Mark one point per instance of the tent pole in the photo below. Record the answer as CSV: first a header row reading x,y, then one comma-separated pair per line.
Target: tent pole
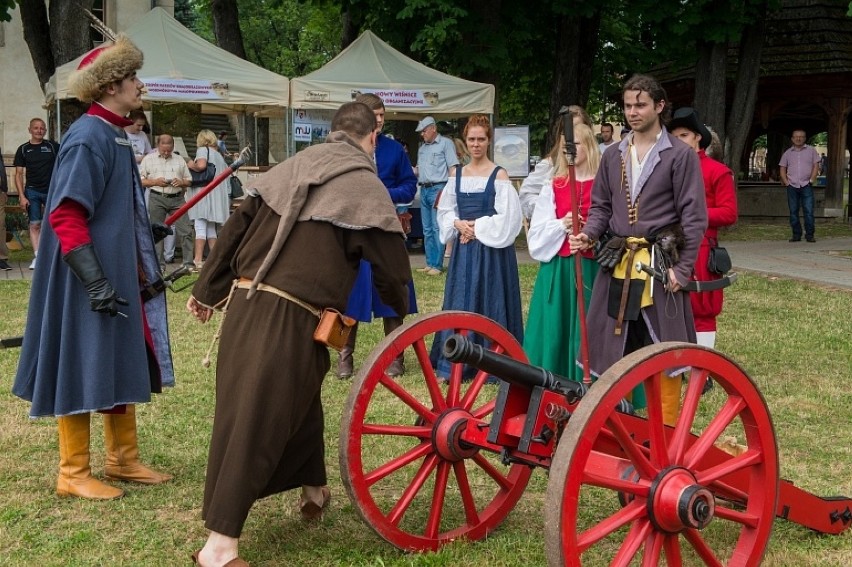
x,y
58,121
256,148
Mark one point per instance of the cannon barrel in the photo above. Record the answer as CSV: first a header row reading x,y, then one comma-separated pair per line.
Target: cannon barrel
x,y
458,348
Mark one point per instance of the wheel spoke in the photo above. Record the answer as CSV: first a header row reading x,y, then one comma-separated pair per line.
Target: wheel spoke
x,y
622,435
435,393
632,512
408,399
677,445
653,548
630,546
395,464
732,408
403,430
470,512
748,520
484,410
398,511
748,459
456,369
433,525
499,478
656,429
672,547
640,488
700,546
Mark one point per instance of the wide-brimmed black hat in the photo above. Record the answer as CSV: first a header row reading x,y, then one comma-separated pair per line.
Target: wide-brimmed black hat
x,y
687,117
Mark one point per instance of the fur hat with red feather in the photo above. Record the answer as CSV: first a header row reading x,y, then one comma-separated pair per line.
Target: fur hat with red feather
x,y
102,66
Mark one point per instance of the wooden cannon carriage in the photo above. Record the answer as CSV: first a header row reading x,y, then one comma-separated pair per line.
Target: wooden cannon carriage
x,y
623,488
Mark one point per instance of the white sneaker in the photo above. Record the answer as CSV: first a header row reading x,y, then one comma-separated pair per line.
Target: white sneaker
x,y
32,264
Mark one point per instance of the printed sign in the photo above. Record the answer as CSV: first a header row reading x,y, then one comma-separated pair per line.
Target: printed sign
x,y
311,126
157,87
402,97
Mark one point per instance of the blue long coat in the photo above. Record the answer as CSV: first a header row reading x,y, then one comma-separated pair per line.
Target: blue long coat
x,y
75,360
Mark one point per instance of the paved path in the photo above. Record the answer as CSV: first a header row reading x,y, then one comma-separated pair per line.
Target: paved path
x,y
818,262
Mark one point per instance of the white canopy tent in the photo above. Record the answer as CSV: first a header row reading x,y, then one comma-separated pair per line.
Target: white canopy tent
x,y
410,90
182,67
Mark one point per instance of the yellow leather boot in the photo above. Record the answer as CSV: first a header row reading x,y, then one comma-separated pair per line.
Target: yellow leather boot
x,y
75,474
122,462
670,397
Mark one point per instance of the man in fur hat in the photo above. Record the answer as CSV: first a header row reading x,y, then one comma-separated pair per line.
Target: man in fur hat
x,y
294,246
95,256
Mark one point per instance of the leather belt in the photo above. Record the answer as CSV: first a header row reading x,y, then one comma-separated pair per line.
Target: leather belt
x,y
245,283
164,194
427,185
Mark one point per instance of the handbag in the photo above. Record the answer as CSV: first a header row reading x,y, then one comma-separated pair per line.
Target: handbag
x,y
236,188
333,329
203,178
719,261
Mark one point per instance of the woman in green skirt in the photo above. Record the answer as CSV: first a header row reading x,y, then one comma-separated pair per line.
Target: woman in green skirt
x,y
552,335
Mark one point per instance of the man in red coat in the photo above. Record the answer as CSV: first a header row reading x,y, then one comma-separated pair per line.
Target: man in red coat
x,y
721,211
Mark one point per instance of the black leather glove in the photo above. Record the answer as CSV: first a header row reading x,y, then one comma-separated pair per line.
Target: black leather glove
x,y
160,231
609,255
84,262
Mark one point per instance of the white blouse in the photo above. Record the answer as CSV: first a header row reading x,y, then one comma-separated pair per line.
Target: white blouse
x,y
547,233
532,185
496,231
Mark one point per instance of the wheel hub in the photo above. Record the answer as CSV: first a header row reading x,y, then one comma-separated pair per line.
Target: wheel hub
x,y
446,435
677,502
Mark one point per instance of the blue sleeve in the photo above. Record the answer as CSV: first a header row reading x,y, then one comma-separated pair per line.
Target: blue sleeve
x,y
405,183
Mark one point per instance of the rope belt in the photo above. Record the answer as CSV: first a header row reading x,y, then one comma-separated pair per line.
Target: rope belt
x,y
636,249
245,283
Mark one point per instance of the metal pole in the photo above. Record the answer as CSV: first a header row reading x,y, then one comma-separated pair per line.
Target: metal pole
x,y
571,154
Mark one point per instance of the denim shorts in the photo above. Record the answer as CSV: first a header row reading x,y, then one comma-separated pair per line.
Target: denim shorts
x,y
38,201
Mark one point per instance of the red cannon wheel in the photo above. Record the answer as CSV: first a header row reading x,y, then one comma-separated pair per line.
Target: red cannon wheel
x,y
406,470
626,490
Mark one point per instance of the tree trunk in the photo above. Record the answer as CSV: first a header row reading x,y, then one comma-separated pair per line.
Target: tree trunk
x,y
710,85
745,91
37,34
70,34
350,28
226,26
487,15
572,73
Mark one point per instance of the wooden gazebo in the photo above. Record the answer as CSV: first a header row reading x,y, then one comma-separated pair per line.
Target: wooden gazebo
x,y
805,83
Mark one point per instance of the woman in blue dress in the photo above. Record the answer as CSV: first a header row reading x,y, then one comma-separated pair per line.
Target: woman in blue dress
x,y
480,213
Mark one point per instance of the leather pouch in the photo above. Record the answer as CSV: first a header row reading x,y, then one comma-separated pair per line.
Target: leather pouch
x,y
719,261
333,329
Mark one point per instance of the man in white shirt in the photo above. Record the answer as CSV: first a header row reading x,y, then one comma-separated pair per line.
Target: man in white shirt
x,y
167,176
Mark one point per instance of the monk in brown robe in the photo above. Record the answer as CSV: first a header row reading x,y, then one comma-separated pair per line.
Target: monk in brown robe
x,y
293,245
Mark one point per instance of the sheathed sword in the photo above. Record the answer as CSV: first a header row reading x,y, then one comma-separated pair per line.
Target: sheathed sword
x,y
707,285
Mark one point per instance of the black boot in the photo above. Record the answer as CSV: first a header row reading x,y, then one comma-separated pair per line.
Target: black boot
x,y
345,362
397,367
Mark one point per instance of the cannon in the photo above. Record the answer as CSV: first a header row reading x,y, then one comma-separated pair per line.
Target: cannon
x,y
427,461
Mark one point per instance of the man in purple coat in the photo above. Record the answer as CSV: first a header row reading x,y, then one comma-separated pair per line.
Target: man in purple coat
x,y
651,184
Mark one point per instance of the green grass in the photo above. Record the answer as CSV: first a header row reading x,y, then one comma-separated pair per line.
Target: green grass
x,y
792,338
